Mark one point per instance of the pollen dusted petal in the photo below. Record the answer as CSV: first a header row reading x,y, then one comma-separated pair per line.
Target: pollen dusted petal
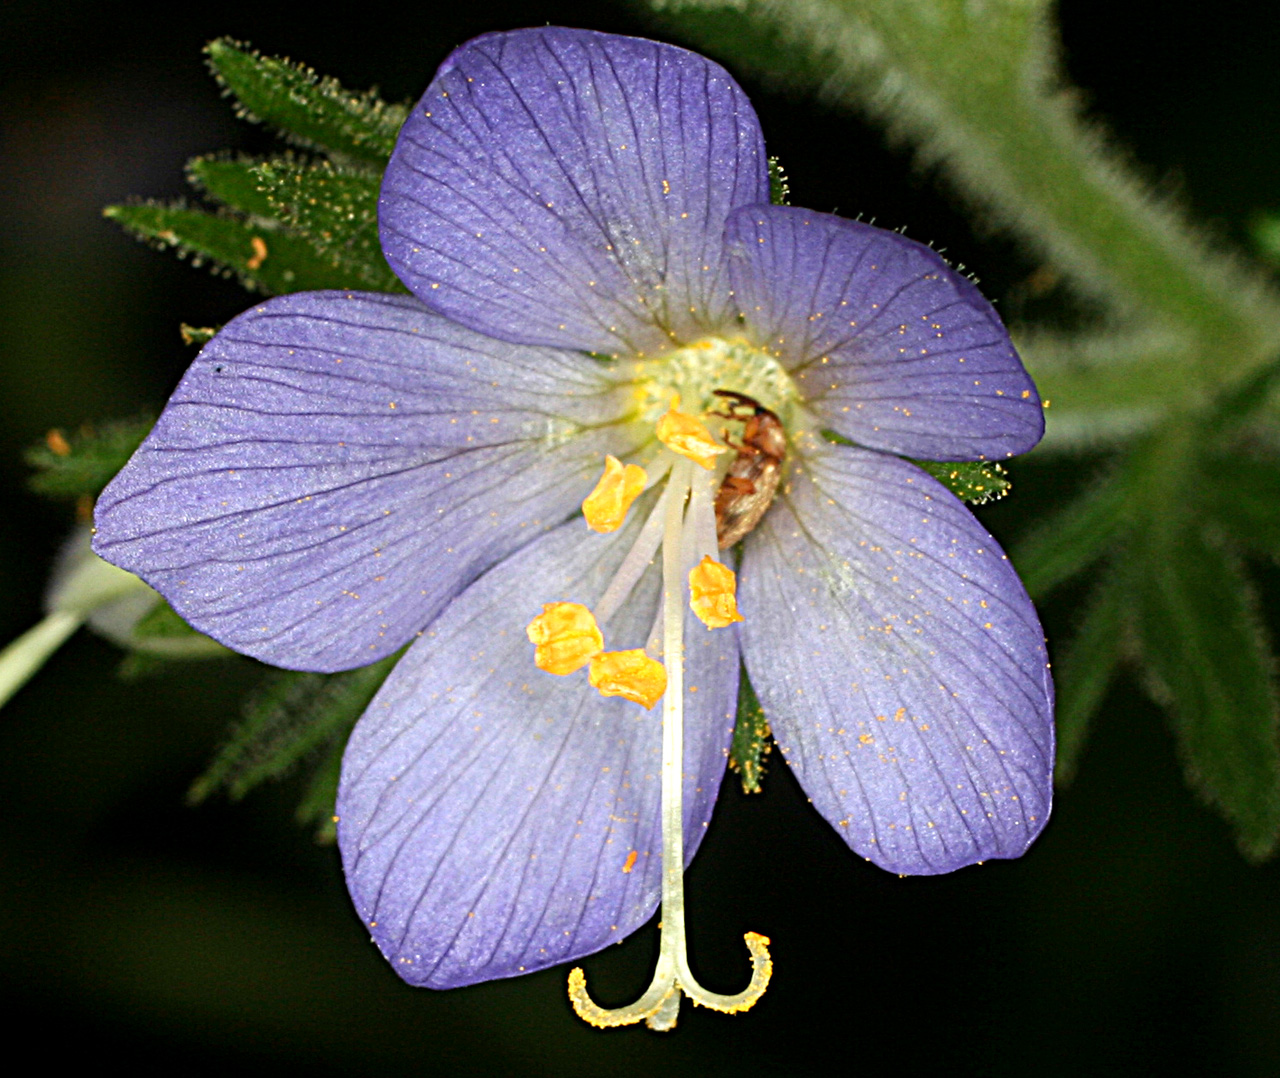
x,y
901,664
570,188
336,466
687,436
630,674
485,815
606,507
888,345
713,587
566,636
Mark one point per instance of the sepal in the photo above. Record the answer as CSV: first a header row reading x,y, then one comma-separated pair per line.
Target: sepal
x,y
751,737
335,209
971,481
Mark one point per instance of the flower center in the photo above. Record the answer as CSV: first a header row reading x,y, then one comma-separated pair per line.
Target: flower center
x,y
695,372
568,636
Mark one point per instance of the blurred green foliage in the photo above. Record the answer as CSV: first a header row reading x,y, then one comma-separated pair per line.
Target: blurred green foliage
x,y
79,465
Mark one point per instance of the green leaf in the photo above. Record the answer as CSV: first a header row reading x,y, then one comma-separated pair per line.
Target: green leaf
x,y
1087,668
233,182
750,737
138,665
1243,493
81,464
312,111
1075,536
1265,231
317,805
334,209
1240,401
1209,662
293,716
265,259
971,481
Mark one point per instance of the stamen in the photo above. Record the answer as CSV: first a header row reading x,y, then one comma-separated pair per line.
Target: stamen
x,y
687,436
606,506
713,587
660,1004
631,674
565,636
700,521
636,561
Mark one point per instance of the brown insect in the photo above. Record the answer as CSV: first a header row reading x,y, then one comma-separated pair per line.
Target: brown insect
x,y
752,479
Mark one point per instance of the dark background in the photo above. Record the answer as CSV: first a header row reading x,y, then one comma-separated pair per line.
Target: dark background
x,y
133,930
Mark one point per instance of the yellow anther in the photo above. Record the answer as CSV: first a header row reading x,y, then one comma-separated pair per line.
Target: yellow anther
x,y
606,507
714,588
566,636
629,673
687,436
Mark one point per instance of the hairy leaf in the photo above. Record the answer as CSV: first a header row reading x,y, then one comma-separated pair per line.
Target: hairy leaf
x,y
336,209
779,186
233,182
1209,662
1244,500
313,111
316,808
1087,667
1074,537
201,335
162,622
265,259
293,716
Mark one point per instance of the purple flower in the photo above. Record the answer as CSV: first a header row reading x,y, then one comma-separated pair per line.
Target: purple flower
x,y
584,222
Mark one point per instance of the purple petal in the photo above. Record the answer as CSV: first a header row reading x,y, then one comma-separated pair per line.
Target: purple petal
x,y
570,188
336,466
891,347
900,663
495,819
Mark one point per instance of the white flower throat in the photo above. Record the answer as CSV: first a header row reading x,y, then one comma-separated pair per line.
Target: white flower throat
x,y
680,394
